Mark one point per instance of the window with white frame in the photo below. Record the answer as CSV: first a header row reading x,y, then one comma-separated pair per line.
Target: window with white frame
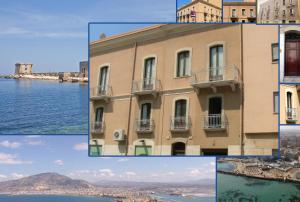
x,y
183,63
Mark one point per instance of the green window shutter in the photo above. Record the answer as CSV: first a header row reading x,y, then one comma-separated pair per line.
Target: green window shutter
x,y
95,150
143,150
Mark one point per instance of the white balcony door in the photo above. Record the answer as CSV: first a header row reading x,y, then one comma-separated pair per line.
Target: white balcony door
x,y
148,74
289,100
216,62
103,78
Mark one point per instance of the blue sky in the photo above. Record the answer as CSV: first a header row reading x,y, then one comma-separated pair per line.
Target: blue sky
x,y
180,3
26,155
52,34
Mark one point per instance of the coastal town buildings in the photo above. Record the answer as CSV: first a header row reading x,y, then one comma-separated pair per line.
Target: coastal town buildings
x,y
179,95
200,11
239,11
84,69
278,11
289,104
23,68
290,53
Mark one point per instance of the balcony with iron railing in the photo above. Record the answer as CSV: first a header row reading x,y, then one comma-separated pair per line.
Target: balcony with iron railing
x,y
146,87
291,114
291,4
180,124
144,125
252,15
101,93
97,127
233,15
216,77
214,122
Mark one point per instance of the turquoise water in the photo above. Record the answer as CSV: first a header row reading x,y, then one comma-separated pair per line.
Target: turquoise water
x,y
43,107
173,198
5,198
243,189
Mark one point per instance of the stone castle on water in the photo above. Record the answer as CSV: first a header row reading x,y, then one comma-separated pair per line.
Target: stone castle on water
x,y
22,69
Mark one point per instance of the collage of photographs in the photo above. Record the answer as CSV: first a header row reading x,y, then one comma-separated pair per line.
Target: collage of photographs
x,y
150,101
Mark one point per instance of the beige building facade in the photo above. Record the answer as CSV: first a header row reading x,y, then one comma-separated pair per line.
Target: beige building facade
x,y
239,12
200,11
278,12
162,91
289,104
23,68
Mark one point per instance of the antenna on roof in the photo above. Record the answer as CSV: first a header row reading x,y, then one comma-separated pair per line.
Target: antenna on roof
x,y
102,36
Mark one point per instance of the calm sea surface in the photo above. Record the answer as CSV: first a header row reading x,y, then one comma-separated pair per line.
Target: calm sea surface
x,y
43,107
165,197
243,189
5,198
176,198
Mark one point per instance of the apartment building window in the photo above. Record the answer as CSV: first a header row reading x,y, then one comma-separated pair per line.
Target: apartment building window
x,y
233,13
275,102
275,52
216,63
180,121
143,150
283,12
99,114
291,11
214,119
144,123
283,2
251,13
183,63
243,12
103,80
148,81
95,149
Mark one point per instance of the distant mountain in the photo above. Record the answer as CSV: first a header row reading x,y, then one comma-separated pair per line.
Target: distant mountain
x,y
44,182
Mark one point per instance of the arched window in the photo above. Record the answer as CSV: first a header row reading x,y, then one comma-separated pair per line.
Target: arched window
x,y
103,78
148,77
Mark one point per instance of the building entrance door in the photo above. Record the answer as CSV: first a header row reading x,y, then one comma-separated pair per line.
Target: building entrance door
x,y
292,53
178,149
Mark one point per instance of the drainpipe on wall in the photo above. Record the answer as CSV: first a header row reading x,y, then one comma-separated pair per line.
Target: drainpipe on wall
x,y
242,93
130,100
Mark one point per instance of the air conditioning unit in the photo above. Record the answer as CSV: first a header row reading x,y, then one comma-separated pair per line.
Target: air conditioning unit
x,y
119,135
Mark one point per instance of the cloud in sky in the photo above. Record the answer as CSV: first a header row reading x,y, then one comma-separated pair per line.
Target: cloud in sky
x,y
81,146
59,162
123,160
11,159
9,144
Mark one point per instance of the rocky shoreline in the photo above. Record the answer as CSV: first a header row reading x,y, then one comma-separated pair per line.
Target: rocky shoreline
x,y
242,170
45,77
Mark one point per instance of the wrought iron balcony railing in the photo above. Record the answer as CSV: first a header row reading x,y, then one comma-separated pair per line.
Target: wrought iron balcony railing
x,y
144,125
215,122
97,127
146,86
100,92
218,76
180,124
291,114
